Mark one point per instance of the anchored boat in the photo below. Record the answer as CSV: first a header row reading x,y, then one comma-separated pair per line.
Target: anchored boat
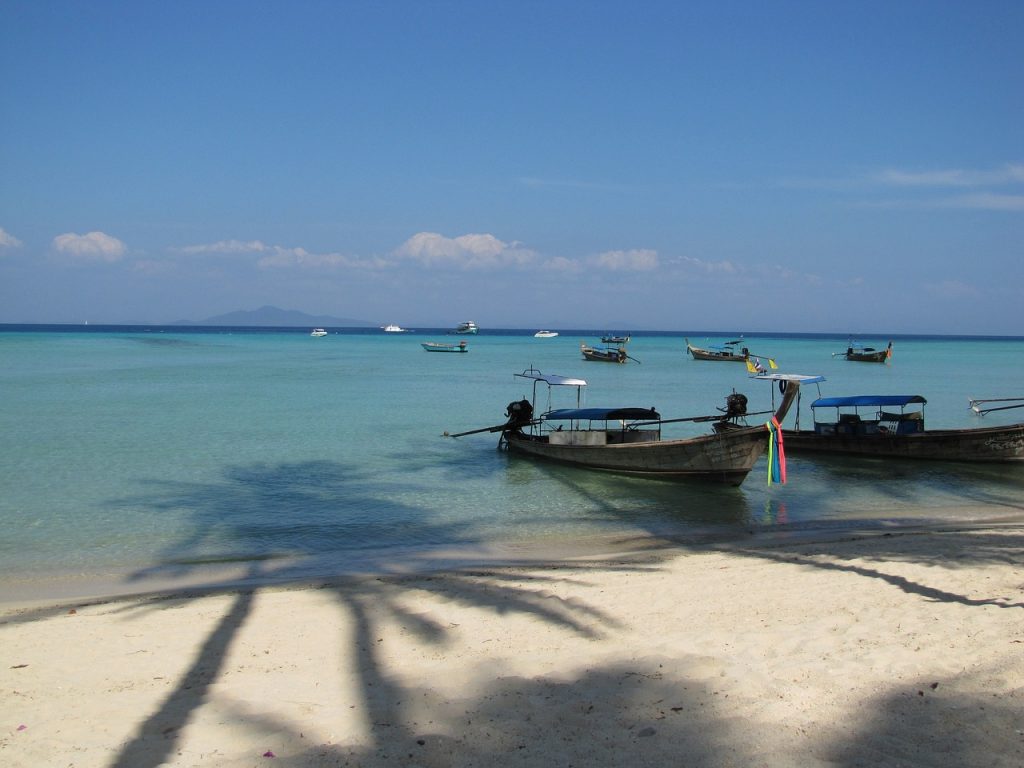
x,y
866,354
629,440
435,346
607,355
882,426
727,353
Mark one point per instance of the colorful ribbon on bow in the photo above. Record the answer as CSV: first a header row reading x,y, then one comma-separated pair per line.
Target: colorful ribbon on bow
x,y
776,453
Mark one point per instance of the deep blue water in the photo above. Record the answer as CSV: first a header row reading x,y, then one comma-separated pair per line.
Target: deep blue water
x,y
138,452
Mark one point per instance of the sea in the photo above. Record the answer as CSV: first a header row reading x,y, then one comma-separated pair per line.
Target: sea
x,y
139,458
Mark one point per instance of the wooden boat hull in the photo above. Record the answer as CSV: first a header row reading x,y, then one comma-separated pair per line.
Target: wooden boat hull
x,y
604,355
706,354
726,457
445,347
868,357
985,444
857,355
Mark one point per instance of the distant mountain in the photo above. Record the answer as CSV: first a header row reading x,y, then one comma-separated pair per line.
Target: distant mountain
x,y
275,317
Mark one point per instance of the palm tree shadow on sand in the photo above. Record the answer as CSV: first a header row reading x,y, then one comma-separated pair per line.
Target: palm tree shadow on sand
x,y
637,712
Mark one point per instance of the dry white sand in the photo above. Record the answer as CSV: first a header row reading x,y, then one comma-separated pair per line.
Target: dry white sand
x,y
901,649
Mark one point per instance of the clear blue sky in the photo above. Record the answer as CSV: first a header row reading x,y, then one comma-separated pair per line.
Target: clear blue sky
x,y
750,166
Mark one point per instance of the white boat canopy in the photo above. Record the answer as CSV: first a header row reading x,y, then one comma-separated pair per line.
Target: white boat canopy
x,y
799,378
551,379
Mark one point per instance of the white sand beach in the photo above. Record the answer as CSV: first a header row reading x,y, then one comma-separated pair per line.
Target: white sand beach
x,y
904,648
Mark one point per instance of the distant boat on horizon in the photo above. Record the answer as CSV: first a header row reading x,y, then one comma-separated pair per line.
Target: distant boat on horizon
x,y
467,327
394,329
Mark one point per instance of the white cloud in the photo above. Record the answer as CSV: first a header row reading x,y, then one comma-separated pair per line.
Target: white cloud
x,y
637,260
8,240
280,257
94,246
1008,174
467,251
710,267
227,247
298,257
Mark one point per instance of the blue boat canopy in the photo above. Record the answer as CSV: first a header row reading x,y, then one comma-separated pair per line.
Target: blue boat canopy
x,y
601,414
867,400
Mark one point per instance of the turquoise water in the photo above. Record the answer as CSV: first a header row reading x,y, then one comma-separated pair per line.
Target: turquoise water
x,y
149,452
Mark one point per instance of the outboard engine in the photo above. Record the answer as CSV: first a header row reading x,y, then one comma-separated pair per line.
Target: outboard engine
x,y
520,413
735,405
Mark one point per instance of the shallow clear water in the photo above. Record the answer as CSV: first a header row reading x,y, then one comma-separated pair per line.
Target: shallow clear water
x,y
132,450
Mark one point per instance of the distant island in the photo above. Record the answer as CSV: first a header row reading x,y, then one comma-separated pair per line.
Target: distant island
x,y
274,317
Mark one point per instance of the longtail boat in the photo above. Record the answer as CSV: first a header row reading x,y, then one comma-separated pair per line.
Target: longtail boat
x,y
434,346
866,354
607,355
629,440
727,353
882,426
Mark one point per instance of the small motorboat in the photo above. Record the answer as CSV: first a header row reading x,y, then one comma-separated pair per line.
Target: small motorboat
x,y
545,334
434,346
318,332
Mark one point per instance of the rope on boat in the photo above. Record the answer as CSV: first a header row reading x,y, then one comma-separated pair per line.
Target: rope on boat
x,y
776,453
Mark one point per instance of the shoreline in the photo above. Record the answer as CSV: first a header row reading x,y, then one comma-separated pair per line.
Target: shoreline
x,y
884,647
170,579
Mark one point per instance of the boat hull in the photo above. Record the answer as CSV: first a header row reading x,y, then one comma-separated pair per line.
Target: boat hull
x,y
603,357
867,357
857,355
986,444
445,347
722,458
698,353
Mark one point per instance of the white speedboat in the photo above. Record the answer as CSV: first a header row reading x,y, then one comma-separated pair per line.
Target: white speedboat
x,y
318,332
545,334
394,329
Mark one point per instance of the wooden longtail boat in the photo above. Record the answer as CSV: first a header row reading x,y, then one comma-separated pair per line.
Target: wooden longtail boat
x,y
606,355
727,353
434,346
628,440
870,425
615,339
867,354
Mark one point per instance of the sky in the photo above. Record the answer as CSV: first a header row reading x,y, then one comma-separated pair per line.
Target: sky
x,y
835,167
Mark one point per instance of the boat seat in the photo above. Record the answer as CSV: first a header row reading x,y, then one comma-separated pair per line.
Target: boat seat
x,y
912,416
902,423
